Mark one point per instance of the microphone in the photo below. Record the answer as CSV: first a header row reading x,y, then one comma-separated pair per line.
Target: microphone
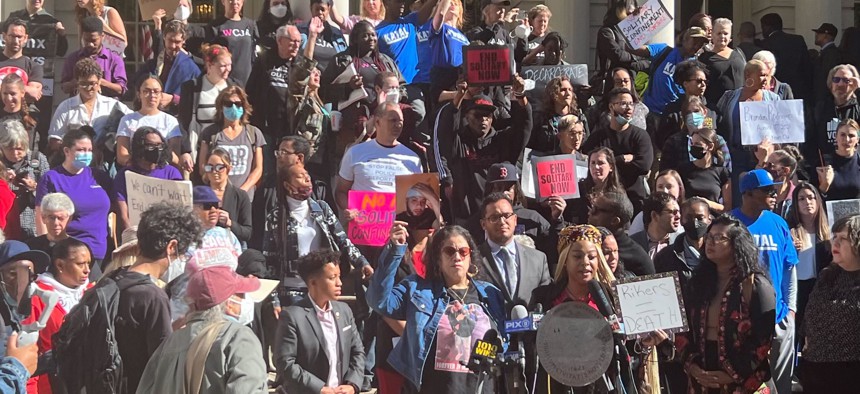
x,y
485,353
522,320
603,305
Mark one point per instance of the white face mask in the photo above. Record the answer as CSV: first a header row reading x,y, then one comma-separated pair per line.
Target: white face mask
x,y
522,32
246,314
182,13
278,11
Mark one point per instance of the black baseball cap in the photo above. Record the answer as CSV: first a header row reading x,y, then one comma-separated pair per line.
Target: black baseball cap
x,y
827,28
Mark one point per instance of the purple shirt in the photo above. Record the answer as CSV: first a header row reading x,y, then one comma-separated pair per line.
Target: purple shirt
x,y
167,172
110,63
89,190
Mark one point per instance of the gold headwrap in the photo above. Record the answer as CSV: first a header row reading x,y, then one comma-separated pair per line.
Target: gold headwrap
x,y
579,232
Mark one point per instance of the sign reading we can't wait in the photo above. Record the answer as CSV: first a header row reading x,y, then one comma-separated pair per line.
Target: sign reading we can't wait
x,y
488,65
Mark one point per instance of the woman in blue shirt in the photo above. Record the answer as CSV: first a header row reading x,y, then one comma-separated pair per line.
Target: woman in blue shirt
x,y
440,50
445,313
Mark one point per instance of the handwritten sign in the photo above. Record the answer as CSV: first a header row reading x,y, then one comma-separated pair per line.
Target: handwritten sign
x,y
781,122
555,176
148,7
144,191
842,209
488,65
649,303
651,18
375,217
578,74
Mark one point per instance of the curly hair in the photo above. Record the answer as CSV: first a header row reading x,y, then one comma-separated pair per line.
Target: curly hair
x,y
87,67
687,70
313,263
433,253
138,146
655,203
553,87
222,100
165,222
703,283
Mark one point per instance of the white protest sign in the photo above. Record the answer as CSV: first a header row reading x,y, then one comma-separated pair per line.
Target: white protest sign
x,y
641,26
780,122
649,303
840,209
143,191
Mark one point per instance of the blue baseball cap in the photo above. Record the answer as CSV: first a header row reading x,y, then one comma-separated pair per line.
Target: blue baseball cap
x,y
204,195
756,179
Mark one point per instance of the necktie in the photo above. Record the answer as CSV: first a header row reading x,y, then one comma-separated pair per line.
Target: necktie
x,y
510,269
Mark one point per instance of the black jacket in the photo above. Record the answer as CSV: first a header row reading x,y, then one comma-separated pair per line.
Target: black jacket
x,y
828,58
612,52
238,206
671,259
820,136
268,93
795,66
635,259
633,141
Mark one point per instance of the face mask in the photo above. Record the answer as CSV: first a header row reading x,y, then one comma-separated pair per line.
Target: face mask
x,y
245,311
696,229
152,156
622,121
695,120
233,112
302,193
522,32
83,159
182,13
278,11
697,152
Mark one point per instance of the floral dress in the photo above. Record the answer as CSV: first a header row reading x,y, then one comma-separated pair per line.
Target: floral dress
x,y
746,326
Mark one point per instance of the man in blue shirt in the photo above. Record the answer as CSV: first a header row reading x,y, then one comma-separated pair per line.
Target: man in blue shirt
x,y
778,257
397,35
662,89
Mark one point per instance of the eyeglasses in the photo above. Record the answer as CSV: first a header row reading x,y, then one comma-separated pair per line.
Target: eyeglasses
x,y
840,80
151,92
716,238
450,251
673,212
214,168
624,104
283,152
698,81
499,217
87,84
209,205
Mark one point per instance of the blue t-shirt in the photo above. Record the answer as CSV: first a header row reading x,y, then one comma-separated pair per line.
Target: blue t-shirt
x,y
776,249
120,188
425,53
662,89
442,48
89,190
398,40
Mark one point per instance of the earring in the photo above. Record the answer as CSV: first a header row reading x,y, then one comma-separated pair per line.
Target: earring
x,y
748,82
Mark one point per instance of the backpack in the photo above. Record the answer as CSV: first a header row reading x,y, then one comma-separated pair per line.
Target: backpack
x,y
642,80
85,347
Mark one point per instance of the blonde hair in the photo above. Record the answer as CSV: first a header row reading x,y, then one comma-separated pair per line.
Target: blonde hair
x,y
537,10
754,65
381,14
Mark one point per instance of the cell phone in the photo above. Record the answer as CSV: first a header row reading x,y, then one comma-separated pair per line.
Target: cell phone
x,y
21,174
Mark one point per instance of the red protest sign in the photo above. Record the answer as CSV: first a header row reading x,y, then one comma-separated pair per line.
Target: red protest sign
x,y
555,176
375,217
488,65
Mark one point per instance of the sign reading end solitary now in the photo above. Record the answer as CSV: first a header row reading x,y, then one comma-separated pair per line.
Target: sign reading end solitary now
x,y
488,65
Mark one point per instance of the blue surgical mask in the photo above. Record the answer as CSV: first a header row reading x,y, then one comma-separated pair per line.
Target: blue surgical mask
x,y
83,159
694,120
621,120
233,112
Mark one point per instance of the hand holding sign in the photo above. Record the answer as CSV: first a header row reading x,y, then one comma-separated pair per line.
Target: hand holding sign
x,y
650,303
645,23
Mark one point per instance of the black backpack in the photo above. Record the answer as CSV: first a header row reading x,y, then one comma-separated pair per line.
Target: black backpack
x,y
85,347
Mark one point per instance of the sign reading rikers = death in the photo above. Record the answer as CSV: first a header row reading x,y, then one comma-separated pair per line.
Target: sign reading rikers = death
x,y
376,213
651,302
488,65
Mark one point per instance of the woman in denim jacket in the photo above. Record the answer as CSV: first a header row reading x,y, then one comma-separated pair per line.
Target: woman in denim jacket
x,y
445,313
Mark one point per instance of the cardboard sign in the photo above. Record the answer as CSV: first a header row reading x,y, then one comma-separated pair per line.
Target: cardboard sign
x,y
375,217
555,176
144,191
488,65
650,302
424,186
578,74
148,7
780,122
650,19
840,209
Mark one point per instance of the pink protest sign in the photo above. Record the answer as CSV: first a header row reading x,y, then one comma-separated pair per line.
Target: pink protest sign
x,y
555,176
645,23
376,213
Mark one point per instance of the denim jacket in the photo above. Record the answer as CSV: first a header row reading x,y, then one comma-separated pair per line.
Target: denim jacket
x,y
421,303
285,268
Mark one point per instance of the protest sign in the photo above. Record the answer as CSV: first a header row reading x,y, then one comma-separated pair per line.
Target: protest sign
x,y
425,206
488,65
528,182
143,191
148,7
645,23
650,302
375,217
840,209
555,176
578,74
780,122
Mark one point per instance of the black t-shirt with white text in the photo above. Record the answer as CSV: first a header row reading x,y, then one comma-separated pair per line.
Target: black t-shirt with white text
x,y
240,37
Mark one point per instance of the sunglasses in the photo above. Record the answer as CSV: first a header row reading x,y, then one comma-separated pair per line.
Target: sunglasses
x,y
770,191
450,251
215,168
209,205
840,80
232,103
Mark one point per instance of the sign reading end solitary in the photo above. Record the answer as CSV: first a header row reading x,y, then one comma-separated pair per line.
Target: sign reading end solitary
x,y
488,65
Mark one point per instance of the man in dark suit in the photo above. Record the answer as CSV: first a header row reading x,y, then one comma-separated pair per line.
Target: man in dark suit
x,y
662,217
614,211
830,56
318,348
795,65
513,268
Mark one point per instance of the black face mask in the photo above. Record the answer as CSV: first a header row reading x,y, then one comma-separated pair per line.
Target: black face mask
x,y
152,156
695,229
697,152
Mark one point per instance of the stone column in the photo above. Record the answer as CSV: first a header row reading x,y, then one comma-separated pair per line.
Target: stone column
x,y
571,18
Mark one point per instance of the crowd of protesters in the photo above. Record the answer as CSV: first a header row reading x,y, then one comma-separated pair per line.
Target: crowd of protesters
x,y
275,122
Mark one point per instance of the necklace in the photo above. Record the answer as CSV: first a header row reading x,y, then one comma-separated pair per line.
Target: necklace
x,y
453,293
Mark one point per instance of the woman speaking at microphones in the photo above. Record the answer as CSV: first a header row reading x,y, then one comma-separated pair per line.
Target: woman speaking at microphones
x,y
446,313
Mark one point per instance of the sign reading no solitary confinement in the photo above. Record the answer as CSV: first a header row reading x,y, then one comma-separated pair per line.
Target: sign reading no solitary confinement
x,y
488,65
645,23
375,217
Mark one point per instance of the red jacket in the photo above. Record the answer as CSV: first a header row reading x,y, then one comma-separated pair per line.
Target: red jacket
x,y
7,199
